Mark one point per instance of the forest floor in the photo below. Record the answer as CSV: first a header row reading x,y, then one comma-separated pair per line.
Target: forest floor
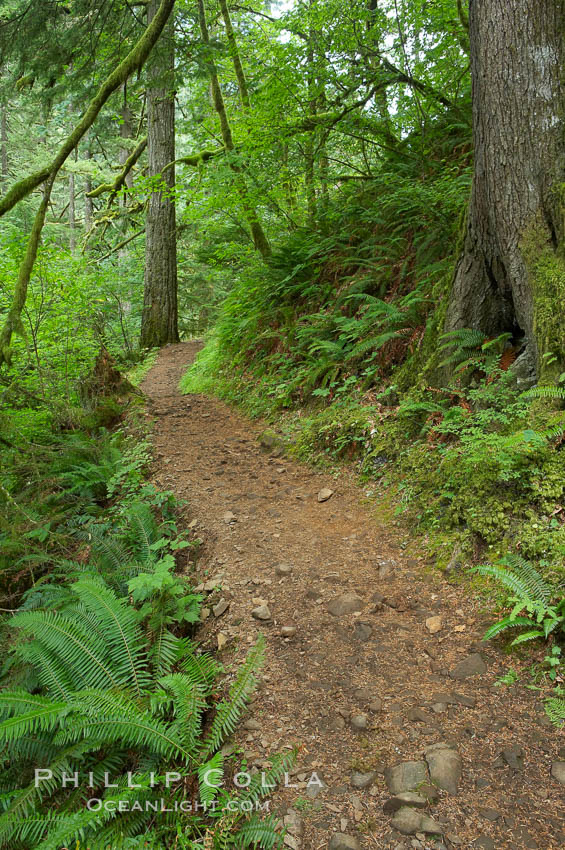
x,y
386,659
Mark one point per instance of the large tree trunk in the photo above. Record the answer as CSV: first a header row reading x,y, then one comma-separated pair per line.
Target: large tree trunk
x,y
159,324
514,218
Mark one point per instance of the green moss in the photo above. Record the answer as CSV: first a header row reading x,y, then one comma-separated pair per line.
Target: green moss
x,y
546,268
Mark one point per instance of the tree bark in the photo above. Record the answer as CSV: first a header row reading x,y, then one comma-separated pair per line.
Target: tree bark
x,y
88,203
159,323
4,143
514,215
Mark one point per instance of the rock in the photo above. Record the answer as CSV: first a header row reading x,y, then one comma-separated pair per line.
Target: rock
x,y
283,569
454,699
406,776
262,612
221,608
359,722
340,841
204,614
272,442
375,706
294,823
362,780
483,842
410,821
222,639
288,631
347,603
445,767
524,369
362,631
455,564
325,494
251,725
416,715
489,814
558,771
434,624
291,841
364,695
408,798
473,665
514,757
229,517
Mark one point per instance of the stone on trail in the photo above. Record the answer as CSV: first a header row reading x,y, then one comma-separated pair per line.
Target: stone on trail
x,y
483,842
410,821
229,517
445,767
406,776
288,631
221,608
283,569
558,771
272,442
325,494
473,665
347,603
408,798
340,841
362,780
362,631
434,624
262,612
359,722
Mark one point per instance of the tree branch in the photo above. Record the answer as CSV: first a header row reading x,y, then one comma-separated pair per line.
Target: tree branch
x,y
132,62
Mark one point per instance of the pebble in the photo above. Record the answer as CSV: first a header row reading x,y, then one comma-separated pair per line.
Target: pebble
x,y
325,494
288,631
221,608
434,624
362,631
473,665
283,569
340,841
359,722
408,798
445,767
347,603
405,776
558,771
229,517
362,780
262,612
410,822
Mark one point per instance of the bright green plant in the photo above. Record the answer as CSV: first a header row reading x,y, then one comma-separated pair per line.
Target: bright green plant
x,y
537,607
94,701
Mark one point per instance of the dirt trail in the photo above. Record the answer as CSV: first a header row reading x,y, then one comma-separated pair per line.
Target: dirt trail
x,y
378,668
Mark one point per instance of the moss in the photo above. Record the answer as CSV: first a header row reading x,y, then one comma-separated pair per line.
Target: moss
x,y
546,268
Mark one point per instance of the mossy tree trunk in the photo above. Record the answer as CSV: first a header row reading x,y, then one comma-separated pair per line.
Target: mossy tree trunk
x,y
159,324
515,214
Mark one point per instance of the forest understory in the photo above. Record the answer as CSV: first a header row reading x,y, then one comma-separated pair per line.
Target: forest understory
x,y
282,425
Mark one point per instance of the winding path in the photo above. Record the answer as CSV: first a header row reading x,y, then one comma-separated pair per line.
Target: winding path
x,y
359,691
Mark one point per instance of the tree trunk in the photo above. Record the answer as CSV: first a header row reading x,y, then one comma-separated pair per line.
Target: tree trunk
x,y
159,324
72,219
88,202
508,276
3,143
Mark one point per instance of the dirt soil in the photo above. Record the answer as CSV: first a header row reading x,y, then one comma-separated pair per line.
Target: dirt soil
x,y
382,668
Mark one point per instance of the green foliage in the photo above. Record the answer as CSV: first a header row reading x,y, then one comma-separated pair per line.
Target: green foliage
x,y
531,598
108,704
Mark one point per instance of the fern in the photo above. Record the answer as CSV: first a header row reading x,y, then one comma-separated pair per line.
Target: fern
x,y
555,709
230,710
550,392
108,711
